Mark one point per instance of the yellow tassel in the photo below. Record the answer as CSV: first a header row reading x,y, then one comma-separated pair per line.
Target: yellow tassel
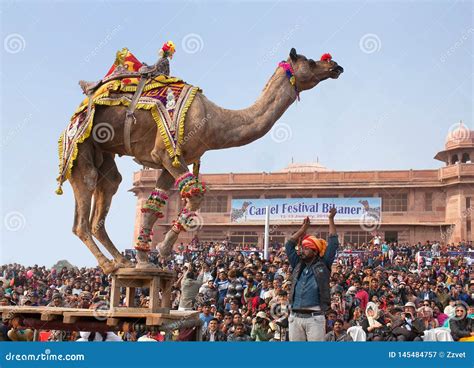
x,y
176,162
59,191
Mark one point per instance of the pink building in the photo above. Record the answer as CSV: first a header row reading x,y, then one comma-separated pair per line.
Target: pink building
x,y
417,205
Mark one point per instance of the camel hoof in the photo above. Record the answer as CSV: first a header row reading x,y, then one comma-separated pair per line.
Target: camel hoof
x,y
109,267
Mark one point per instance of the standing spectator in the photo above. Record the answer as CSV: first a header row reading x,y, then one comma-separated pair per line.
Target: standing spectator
x,y
310,295
189,289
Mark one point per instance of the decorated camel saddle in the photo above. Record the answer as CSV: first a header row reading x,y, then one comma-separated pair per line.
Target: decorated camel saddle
x,y
129,83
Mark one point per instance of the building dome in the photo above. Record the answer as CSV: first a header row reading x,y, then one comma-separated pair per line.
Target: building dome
x,y
304,167
460,135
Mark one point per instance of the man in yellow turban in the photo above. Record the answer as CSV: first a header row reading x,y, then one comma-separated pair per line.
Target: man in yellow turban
x,y
310,294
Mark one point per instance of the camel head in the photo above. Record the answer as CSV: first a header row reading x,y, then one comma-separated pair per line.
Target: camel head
x,y
308,73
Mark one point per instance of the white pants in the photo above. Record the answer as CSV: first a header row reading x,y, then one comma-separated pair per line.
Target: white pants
x,y
307,329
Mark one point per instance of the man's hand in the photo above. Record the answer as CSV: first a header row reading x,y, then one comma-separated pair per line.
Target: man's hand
x,y
305,226
302,230
332,226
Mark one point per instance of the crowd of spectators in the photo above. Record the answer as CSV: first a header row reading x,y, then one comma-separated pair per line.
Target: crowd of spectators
x,y
379,292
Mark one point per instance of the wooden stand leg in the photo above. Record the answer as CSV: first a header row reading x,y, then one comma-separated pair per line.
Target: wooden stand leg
x,y
130,297
155,303
115,294
166,293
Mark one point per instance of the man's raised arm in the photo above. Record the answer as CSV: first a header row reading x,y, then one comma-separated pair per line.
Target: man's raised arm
x,y
333,241
291,243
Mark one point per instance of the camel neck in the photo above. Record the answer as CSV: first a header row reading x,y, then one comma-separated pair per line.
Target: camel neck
x,y
247,125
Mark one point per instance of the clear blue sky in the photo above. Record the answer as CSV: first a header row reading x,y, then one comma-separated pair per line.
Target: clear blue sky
x,y
408,78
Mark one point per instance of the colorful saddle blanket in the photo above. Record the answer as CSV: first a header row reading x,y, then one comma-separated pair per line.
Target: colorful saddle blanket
x,y
167,98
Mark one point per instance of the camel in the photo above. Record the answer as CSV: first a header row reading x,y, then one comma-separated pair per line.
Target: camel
x,y
95,177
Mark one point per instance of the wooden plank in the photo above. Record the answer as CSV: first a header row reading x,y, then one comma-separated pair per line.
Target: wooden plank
x,y
155,301
115,295
166,293
68,318
130,297
145,271
48,317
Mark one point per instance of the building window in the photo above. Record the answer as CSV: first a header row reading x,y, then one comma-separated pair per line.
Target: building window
x,y
465,158
454,159
395,202
357,237
428,202
216,204
244,238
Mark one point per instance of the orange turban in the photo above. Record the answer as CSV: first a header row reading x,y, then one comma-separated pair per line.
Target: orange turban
x,y
319,245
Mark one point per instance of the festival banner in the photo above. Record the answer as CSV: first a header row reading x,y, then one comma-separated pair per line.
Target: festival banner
x,y
288,209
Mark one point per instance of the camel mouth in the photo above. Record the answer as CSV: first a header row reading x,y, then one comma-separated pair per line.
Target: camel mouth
x,y
336,71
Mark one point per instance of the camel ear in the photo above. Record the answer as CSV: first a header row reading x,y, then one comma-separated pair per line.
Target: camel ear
x,y
293,54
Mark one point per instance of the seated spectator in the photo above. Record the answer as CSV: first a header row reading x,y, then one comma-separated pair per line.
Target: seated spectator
x,y
374,324
357,317
238,334
408,327
16,331
338,334
426,314
213,333
462,327
261,330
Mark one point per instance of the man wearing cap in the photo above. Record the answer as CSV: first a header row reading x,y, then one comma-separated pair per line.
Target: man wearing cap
x,y
408,327
260,327
310,295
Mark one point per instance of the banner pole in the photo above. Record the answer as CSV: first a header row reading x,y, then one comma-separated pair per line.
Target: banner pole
x,y
267,233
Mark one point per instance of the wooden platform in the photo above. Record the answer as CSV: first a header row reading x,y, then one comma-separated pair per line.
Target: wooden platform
x,y
155,279
90,319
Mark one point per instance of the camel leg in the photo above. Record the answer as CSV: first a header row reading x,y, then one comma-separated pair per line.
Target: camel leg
x,y
192,204
164,183
107,185
83,181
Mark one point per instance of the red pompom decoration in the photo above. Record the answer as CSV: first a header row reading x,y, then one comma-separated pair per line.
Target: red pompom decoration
x,y
326,57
